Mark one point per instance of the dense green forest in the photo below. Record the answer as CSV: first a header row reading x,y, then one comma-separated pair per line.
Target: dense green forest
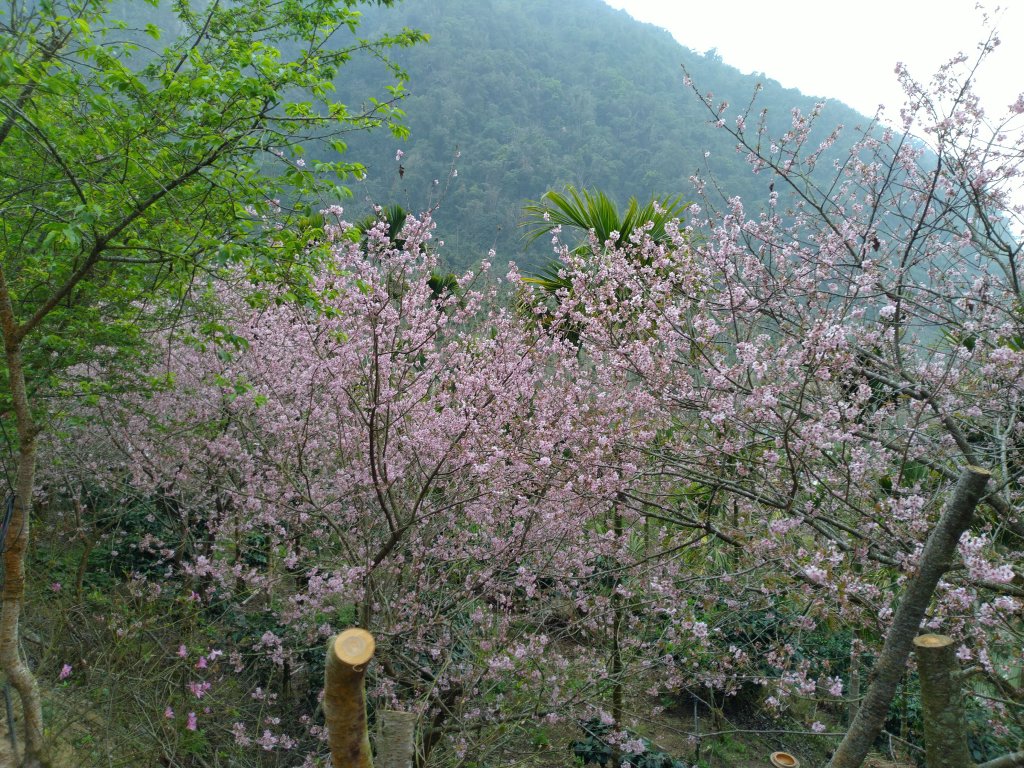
x,y
535,95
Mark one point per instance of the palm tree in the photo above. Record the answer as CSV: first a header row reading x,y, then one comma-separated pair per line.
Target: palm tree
x,y
593,211
595,216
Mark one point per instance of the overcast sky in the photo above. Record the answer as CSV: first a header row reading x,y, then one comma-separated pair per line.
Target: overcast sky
x,y
846,52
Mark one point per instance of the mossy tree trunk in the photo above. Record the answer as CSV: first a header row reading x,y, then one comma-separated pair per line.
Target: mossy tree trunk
x,y
617,616
854,683
18,515
945,728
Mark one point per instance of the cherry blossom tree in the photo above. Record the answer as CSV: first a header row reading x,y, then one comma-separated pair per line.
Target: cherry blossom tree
x,y
122,170
728,443
823,367
415,460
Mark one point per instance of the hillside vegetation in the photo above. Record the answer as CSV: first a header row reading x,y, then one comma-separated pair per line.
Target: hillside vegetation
x,y
535,95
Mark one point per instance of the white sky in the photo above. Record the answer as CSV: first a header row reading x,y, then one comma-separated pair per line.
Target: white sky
x,y
847,51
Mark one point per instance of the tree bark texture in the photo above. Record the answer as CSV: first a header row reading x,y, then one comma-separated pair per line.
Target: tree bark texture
x,y
888,670
854,684
345,698
396,739
616,660
945,734
15,544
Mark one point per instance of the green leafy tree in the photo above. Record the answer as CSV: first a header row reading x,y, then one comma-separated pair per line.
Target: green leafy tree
x,y
130,166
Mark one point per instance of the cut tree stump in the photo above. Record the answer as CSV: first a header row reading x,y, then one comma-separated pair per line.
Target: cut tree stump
x,y
396,739
945,734
935,560
345,698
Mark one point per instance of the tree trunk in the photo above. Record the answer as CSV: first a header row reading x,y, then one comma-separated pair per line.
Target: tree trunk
x,y
935,561
14,548
616,660
345,698
1012,760
396,739
854,683
945,735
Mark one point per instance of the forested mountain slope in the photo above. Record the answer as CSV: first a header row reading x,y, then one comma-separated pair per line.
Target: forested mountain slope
x,y
537,94
534,95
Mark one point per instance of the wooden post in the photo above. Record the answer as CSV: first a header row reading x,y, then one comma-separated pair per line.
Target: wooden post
x,y
396,739
345,698
945,736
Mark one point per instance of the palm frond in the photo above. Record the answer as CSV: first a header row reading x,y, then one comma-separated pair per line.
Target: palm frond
x,y
593,211
395,216
589,212
579,209
548,278
657,212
